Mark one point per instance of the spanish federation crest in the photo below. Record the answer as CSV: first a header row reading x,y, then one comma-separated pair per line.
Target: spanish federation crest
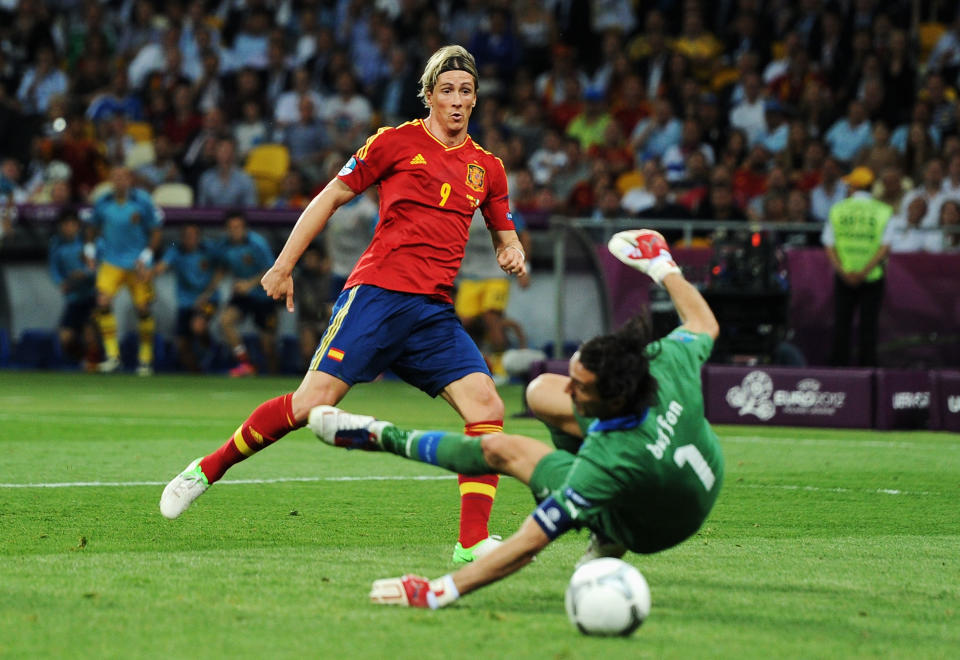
x,y
475,175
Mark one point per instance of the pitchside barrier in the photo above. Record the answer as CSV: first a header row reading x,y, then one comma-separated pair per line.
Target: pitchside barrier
x,y
883,399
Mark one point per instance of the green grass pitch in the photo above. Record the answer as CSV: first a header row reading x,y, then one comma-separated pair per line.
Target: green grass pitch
x,y
823,544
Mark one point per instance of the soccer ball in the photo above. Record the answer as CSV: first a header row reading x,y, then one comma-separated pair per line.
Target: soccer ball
x,y
608,597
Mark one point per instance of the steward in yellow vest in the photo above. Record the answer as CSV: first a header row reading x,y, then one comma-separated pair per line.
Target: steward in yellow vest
x,y
857,240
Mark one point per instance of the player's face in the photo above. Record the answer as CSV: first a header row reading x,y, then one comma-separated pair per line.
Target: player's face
x,y
236,230
69,229
191,238
122,180
452,100
583,390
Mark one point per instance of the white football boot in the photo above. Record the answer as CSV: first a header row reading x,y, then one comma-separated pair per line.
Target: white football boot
x,y
183,490
342,429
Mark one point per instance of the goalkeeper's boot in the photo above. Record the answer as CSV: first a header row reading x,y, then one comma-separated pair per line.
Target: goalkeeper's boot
x,y
342,429
469,555
600,546
183,490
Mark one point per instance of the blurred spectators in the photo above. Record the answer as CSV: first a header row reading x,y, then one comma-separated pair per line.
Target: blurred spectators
x,y
162,169
288,103
225,184
849,135
347,114
830,190
653,136
307,141
950,224
41,82
951,182
681,87
908,235
930,189
749,114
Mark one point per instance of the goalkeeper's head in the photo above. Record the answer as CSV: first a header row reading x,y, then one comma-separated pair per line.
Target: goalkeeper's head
x,y
620,363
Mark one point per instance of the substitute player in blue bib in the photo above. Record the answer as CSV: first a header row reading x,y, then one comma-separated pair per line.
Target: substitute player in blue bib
x,y
245,255
636,463
194,264
129,225
74,271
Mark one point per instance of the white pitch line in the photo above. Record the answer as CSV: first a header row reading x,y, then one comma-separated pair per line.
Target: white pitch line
x,y
228,482
832,442
443,477
822,489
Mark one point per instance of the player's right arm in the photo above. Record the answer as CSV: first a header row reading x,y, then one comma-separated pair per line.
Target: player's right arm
x,y
278,280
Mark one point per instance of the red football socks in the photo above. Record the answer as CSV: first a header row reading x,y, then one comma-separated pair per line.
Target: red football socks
x,y
477,492
269,422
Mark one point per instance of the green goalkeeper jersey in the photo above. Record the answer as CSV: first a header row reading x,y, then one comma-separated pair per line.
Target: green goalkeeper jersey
x,y
647,482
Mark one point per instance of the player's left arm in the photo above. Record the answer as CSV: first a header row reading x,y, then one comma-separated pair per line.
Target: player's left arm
x,y
510,253
153,218
496,212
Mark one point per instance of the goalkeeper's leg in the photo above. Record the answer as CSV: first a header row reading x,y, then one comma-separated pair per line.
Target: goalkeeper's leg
x,y
514,455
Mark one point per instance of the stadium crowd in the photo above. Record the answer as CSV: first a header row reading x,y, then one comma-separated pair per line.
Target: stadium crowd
x,y
677,109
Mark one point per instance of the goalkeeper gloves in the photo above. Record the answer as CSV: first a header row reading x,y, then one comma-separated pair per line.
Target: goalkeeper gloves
x,y
415,591
645,250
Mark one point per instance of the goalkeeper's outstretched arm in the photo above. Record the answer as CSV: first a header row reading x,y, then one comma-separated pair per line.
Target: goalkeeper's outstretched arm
x,y
647,251
694,312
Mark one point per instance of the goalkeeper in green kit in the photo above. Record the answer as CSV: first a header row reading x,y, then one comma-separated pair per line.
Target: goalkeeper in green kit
x,y
635,461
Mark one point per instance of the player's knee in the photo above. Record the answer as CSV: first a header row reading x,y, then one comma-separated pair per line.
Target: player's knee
x,y
309,395
492,403
541,392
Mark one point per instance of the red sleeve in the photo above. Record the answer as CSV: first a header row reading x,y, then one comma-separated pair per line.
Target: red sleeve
x,y
496,208
371,162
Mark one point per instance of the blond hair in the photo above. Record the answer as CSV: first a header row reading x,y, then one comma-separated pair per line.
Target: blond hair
x,y
448,58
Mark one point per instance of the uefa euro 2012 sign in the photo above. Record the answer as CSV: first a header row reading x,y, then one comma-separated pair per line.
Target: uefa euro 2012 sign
x,y
607,597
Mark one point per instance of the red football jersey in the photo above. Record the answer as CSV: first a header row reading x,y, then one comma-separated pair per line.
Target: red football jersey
x,y
428,193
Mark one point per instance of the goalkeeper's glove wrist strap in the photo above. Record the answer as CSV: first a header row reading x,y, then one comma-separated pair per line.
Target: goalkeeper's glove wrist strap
x,y
443,591
661,266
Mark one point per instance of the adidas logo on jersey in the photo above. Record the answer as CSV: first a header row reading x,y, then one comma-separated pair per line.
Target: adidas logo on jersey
x,y
418,160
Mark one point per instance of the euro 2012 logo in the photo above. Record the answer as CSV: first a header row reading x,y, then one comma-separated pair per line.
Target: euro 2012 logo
x,y
754,396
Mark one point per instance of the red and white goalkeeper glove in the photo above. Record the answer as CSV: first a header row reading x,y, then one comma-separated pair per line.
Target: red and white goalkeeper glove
x,y
415,591
645,250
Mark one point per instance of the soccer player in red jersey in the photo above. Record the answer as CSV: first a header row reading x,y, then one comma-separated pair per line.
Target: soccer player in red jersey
x,y
396,310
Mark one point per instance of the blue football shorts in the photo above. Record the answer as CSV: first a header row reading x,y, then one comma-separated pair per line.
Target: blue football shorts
x,y
417,337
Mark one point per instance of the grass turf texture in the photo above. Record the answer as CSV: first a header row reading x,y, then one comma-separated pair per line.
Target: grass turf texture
x,y
824,543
